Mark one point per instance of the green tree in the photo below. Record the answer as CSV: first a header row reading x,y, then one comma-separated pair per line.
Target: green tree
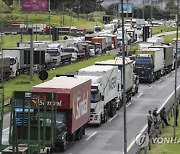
x,y
171,7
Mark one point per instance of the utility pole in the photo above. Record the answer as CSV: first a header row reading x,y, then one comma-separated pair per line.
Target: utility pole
x,y
175,94
124,86
143,9
127,15
151,11
49,11
31,53
2,85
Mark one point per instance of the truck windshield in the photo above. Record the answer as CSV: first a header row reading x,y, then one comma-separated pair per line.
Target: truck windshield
x,y
98,45
91,47
143,60
70,50
53,52
12,61
95,95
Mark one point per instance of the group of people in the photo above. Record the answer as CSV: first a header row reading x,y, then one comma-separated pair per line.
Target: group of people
x,y
154,117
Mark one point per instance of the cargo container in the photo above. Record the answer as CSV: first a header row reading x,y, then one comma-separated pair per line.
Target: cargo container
x,y
168,57
102,41
5,68
107,90
129,76
19,59
149,64
73,106
178,51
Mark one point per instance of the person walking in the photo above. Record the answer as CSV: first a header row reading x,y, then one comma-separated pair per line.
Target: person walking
x,y
163,116
150,121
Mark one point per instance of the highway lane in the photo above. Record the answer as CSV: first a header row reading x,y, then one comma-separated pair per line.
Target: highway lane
x,y
109,137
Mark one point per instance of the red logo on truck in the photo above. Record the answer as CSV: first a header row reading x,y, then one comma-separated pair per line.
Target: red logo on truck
x,y
80,104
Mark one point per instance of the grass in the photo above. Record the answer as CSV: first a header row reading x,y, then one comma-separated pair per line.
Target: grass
x,y
169,38
84,21
23,82
12,40
156,30
166,148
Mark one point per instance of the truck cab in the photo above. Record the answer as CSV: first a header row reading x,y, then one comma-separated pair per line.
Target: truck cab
x,y
144,67
97,101
14,66
55,51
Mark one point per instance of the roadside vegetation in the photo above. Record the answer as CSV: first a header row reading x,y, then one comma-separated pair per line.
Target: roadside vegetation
x,y
156,30
167,148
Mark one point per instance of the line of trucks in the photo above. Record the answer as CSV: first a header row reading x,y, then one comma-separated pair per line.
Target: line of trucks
x,y
88,97
48,54
154,59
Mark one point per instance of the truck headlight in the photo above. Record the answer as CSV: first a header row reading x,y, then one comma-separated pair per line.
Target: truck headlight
x,y
95,117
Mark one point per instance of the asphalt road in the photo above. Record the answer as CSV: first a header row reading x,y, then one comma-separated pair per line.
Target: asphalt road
x,y
108,138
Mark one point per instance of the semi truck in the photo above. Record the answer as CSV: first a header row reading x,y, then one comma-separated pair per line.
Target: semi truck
x,y
168,57
149,64
57,55
102,41
104,91
131,81
178,51
18,59
72,104
5,68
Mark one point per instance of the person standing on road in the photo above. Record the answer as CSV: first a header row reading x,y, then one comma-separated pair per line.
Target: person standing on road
x,y
150,121
177,114
163,116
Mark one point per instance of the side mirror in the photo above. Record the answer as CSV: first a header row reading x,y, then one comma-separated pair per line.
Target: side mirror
x,y
102,98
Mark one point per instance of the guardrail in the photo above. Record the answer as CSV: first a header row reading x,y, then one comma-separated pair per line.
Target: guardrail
x,y
158,130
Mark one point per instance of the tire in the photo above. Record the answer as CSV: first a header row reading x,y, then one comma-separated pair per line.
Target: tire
x,y
63,147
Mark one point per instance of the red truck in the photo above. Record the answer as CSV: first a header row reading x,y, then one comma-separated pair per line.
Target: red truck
x,y
73,106
114,41
102,41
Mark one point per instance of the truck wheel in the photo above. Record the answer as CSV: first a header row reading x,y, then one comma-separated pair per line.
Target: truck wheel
x,y
63,147
105,118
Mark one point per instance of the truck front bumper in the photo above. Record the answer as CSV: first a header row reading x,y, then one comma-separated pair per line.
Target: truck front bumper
x,y
95,118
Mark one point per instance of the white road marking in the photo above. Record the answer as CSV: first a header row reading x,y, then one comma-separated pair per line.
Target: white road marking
x,y
91,136
159,81
167,75
132,143
128,104
140,95
5,129
150,87
112,118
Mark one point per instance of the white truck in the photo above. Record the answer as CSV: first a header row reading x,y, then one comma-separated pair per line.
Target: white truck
x,y
131,81
105,89
18,59
57,55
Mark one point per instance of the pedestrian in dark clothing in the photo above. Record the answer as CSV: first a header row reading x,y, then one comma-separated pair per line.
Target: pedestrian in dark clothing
x,y
150,121
163,116
177,114
155,117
